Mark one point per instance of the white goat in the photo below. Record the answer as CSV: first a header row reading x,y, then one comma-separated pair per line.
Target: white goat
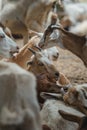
x,y
50,116
18,102
7,45
52,53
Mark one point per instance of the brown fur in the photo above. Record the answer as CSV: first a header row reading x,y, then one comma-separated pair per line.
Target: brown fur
x,y
24,55
47,83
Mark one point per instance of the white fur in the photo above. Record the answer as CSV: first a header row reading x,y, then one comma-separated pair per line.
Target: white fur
x,y
6,45
51,117
18,100
52,53
80,28
75,10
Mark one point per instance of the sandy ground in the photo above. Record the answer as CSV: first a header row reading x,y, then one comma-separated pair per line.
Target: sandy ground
x,y
70,65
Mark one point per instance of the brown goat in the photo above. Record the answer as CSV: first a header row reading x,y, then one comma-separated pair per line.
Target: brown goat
x,y
72,42
76,96
40,63
47,83
47,74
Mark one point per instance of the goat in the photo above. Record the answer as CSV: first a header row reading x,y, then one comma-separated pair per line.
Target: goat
x,y
51,117
82,121
46,58
67,40
7,46
52,53
21,16
41,63
47,83
19,108
77,96
49,79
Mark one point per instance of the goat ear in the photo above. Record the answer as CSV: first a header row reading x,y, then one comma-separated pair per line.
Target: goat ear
x,y
45,127
46,95
70,117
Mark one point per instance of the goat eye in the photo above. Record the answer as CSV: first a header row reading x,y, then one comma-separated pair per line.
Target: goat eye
x,y
40,64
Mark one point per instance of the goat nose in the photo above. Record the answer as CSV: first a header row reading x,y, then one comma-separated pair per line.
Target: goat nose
x,y
57,74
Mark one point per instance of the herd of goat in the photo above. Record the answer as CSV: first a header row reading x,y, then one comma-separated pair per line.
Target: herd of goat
x,y
34,94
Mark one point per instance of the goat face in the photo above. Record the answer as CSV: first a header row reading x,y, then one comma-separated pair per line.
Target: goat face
x,y
7,45
41,63
52,53
51,37
77,95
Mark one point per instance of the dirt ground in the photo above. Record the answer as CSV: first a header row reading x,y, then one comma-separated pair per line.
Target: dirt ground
x,y
70,65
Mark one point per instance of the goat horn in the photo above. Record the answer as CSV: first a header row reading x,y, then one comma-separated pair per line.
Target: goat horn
x,y
38,48
32,51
